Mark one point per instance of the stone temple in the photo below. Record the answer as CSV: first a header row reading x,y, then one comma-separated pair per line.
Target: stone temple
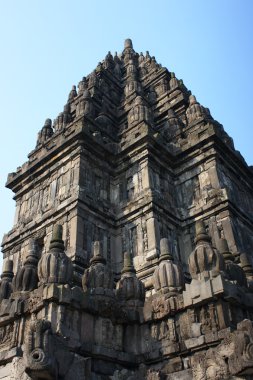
x,y
130,257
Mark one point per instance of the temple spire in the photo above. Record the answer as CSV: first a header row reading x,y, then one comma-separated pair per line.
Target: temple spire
x,y
128,44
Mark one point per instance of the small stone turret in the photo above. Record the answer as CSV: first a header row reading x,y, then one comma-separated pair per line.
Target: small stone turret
x,y
26,278
163,87
6,280
168,276
130,290
195,111
55,266
58,122
142,68
82,85
117,66
131,70
92,79
131,87
152,96
128,44
72,94
85,106
66,115
172,126
204,261
128,52
108,61
98,279
173,81
233,271
139,112
132,84
46,132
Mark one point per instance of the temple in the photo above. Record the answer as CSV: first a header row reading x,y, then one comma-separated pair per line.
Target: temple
x,y
130,257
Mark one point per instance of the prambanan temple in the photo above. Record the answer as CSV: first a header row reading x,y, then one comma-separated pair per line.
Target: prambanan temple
x,y
131,253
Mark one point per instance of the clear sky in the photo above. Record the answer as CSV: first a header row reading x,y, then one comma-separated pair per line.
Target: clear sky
x,y
49,45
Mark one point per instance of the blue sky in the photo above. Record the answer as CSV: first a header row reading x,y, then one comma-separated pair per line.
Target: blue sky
x,y
47,46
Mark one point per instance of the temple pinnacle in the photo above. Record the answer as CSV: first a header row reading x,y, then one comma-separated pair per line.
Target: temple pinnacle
x,y
128,44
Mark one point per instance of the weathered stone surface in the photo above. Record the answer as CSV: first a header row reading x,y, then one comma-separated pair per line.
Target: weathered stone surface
x,y
168,276
55,266
128,288
26,278
6,279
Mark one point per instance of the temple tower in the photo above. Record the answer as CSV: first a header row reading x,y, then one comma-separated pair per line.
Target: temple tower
x,y
104,259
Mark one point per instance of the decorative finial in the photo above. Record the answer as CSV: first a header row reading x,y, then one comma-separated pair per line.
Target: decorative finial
x,y
165,253
97,255
201,234
32,257
128,43
6,280
26,278
7,269
129,289
56,240
72,93
192,99
55,266
128,265
48,123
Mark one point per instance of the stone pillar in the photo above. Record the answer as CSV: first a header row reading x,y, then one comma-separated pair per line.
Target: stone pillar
x,y
145,176
16,217
153,238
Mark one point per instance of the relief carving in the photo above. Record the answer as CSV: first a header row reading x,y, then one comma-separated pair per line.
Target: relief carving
x,y
6,335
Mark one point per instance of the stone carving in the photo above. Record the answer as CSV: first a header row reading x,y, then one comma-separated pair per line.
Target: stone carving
x,y
141,374
234,356
128,52
98,279
173,81
47,357
6,334
130,290
55,266
40,359
26,278
6,280
66,115
195,110
58,122
129,166
72,94
216,366
82,85
234,272
173,126
168,276
139,112
85,106
163,87
46,132
204,260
